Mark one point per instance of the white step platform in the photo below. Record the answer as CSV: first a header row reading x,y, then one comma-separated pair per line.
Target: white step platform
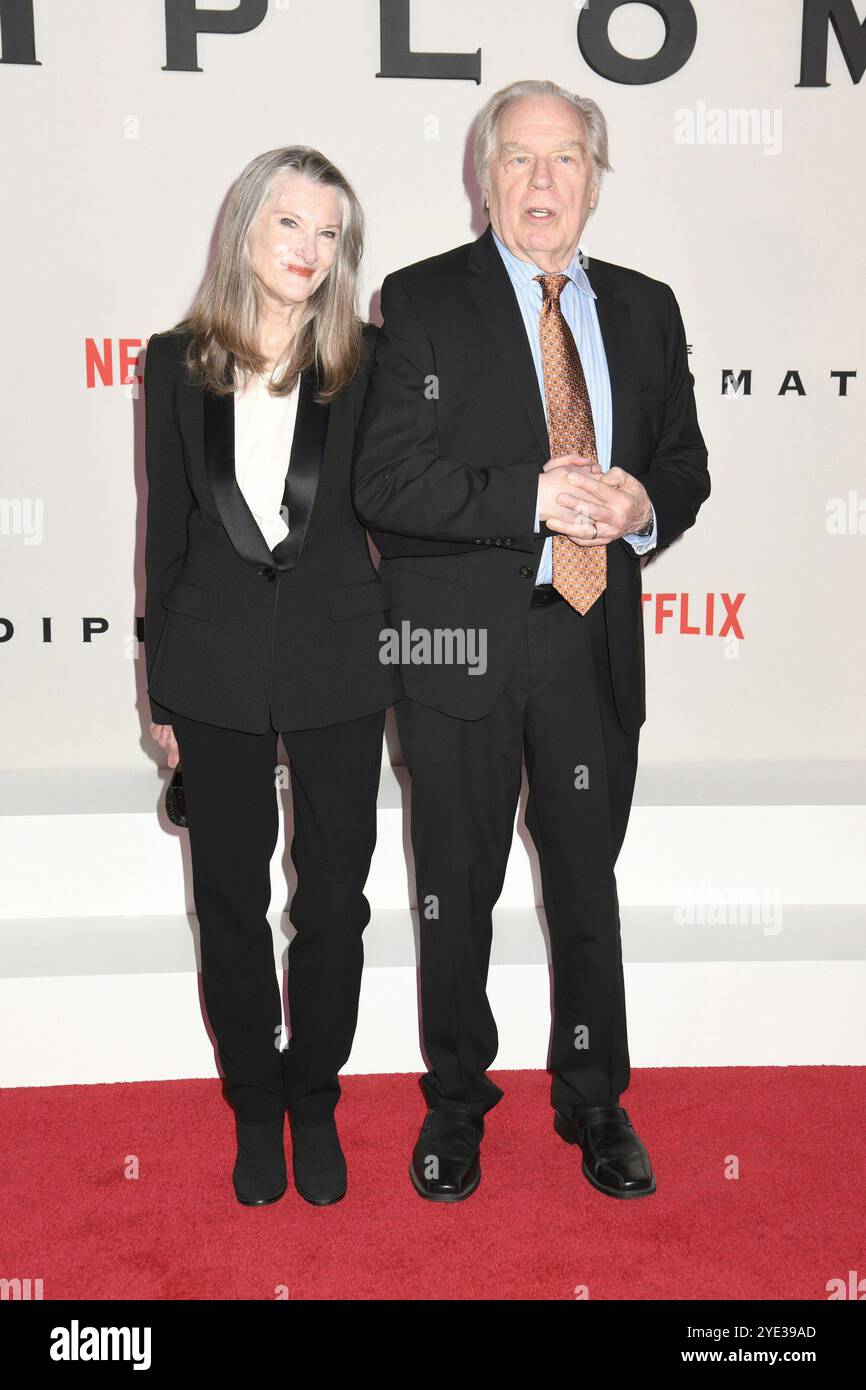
x,y
742,891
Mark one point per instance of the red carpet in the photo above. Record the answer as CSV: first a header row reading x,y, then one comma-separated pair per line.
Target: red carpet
x,y
535,1229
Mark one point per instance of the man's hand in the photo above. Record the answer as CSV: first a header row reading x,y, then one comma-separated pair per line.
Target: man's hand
x,y
556,499
608,505
164,735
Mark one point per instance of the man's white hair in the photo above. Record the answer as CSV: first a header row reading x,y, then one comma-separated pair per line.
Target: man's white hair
x,y
487,130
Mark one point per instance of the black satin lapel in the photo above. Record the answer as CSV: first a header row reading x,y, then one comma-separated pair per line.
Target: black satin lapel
x,y
219,447
497,304
613,322
302,478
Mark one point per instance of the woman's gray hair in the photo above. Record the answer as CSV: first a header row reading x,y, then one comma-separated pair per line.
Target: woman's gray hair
x,y
224,317
487,127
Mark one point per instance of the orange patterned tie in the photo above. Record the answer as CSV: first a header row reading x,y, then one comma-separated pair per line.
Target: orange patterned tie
x,y
579,572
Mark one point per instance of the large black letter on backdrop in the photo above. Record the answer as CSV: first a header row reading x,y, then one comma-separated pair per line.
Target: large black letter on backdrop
x,y
17,37
183,24
681,32
818,15
398,60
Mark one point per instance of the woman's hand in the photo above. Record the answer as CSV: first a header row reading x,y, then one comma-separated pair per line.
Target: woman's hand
x,y
164,735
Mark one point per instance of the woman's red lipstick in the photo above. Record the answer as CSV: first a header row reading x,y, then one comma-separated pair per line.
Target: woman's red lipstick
x,y
300,270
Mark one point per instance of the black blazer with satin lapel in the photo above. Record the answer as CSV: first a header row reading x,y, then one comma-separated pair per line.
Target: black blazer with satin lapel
x,y
238,634
453,435
302,476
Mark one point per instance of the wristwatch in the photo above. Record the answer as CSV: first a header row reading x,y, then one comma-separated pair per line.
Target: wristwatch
x,y
646,530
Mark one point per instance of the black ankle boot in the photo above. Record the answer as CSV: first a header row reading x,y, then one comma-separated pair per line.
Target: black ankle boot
x,y
318,1162
259,1175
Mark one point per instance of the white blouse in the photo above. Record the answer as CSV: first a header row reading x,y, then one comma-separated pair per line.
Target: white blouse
x,y
264,430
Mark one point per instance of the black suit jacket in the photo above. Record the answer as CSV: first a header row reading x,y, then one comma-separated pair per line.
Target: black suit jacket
x,y
452,438
234,630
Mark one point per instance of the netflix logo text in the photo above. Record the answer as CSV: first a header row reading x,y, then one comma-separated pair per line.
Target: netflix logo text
x,y
695,615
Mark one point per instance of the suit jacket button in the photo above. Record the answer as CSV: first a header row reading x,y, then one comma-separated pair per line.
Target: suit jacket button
x,y
269,573
525,571
507,540
488,541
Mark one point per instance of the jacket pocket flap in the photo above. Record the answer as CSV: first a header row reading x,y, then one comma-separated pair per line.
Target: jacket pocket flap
x,y
192,599
431,566
356,600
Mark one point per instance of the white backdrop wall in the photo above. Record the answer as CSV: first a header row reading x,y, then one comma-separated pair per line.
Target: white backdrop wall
x,y
114,172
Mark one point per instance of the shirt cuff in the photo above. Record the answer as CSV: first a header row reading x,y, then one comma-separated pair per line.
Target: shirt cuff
x,y
537,528
641,544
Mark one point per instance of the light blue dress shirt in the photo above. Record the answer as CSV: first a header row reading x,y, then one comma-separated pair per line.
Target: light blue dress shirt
x,y
577,302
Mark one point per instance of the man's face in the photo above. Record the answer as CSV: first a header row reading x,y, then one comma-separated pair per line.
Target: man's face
x,y
540,181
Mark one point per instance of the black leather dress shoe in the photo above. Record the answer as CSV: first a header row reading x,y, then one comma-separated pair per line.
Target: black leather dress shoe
x,y
445,1164
259,1175
318,1162
614,1159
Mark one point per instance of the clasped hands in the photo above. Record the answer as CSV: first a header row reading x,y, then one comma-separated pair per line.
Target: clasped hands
x,y
591,507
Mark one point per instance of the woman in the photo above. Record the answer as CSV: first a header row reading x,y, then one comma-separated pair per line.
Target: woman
x,y
263,617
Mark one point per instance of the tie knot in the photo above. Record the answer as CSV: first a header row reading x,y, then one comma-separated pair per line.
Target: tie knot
x,y
552,285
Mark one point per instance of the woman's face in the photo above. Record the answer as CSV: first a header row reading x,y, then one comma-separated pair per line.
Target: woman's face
x,y
293,239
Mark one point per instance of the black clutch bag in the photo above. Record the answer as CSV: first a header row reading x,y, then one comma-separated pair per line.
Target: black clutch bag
x,y
175,800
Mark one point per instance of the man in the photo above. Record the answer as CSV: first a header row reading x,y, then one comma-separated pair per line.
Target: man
x,y
529,431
